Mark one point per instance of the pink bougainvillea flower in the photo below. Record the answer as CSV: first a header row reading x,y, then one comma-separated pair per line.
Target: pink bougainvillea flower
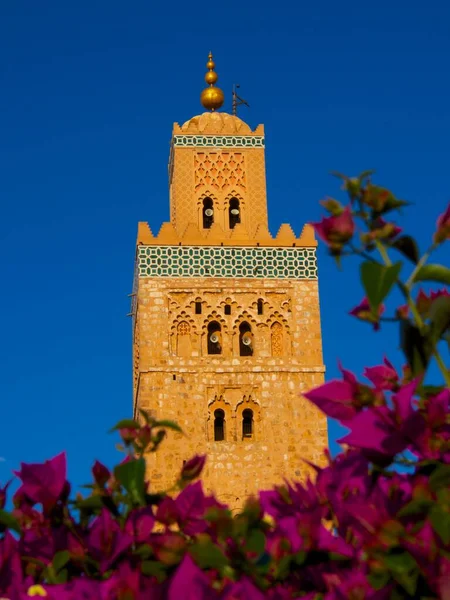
x,y
383,377
244,589
385,432
191,508
335,398
44,483
11,577
190,583
364,312
336,230
106,540
442,232
101,473
140,524
193,467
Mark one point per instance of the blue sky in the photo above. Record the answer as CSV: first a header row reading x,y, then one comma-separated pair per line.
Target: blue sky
x,y
88,95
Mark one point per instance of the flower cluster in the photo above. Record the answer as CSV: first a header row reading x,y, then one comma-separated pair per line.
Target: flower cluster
x,y
374,523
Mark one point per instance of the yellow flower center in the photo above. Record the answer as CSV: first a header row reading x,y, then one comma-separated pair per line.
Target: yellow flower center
x,y
37,590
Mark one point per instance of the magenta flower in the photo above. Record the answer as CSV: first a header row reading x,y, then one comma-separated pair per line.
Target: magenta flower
x,y
336,231
106,540
442,232
336,399
101,473
382,432
190,583
44,483
383,377
364,312
140,524
11,577
193,467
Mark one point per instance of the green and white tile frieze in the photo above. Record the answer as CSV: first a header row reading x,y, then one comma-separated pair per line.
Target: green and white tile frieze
x,y
225,261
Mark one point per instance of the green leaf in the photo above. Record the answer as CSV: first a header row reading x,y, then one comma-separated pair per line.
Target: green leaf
x,y
440,477
132,477
92,502
437,273
256,542
207,555
60,560
415,507
416,347
378,280
168,425
440,521
7,520
408,247
126,424
153,568
379,579
439,315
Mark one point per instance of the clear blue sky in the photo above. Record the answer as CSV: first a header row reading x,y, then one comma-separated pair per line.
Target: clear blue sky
x,y
88,95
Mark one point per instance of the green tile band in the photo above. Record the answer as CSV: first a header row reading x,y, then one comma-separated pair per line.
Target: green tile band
x,y
218,141
219,261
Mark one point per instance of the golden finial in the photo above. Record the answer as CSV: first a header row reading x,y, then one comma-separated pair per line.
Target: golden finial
x,y
212,97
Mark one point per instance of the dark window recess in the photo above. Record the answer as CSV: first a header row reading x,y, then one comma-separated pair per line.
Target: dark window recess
x,y
174,377
260,307
208,213
245,340
214,338
219,425
234,213
227,309
198,308
247,423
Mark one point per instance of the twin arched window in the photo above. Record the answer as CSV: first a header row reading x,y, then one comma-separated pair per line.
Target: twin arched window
x,y
219,424
234,213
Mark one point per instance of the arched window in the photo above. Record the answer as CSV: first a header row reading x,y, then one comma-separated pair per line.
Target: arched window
x,y
247,423
245,340
214,338
219,425
208,213
260,306
234,213
276,336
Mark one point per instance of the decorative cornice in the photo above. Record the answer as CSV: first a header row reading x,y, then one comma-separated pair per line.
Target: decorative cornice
x,y
218,141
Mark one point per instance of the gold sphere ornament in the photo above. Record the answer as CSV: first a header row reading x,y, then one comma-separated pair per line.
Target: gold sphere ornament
x,y
212,97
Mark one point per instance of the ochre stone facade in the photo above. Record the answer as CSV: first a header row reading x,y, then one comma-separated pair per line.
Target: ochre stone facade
x,y
227,356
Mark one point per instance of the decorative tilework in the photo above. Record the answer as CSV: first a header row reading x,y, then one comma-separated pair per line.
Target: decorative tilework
x,y
218,141
219,261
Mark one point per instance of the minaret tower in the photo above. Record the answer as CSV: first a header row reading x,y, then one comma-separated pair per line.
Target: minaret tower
x,y
226,321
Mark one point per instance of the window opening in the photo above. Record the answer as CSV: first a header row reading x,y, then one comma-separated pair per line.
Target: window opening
x,y
245,340
247,423
198,308
234,213
219,425
228,309
260,307
214,338
208,213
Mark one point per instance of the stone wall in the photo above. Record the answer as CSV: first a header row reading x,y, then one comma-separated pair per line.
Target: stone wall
x,y
177,379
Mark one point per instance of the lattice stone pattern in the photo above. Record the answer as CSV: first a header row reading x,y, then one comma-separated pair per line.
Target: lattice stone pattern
x,y
229,262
